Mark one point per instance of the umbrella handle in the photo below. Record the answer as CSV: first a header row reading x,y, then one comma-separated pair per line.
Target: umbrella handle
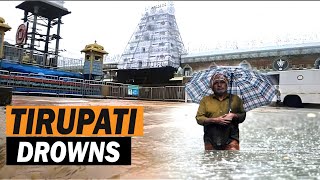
x,y
230,95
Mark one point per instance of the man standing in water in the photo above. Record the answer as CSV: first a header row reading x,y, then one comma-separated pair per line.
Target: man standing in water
x,y
221,130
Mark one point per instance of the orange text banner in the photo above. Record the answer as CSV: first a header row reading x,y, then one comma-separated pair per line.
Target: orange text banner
x,y
74,121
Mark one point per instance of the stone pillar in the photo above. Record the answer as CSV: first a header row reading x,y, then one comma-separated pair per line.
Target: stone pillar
x,y
5,92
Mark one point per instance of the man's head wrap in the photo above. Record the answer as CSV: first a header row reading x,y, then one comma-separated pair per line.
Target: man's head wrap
x,y
218,77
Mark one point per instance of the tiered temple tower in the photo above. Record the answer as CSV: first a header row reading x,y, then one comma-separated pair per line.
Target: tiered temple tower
x,y
153,53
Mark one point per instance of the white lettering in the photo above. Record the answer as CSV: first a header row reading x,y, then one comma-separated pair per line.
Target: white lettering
x,y
22,146
40,153
43,152
77,150
53,151
114,152
98,152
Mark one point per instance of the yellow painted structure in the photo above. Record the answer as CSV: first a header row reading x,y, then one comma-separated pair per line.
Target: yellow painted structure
x,y
94,53
3,28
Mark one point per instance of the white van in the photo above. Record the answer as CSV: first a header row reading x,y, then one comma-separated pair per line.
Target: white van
x,y
297,86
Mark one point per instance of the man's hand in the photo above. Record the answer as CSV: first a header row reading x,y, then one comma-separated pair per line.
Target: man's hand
x,y
230,116
222,120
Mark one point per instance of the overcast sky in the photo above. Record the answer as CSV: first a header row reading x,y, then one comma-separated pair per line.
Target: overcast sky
x,y
203,25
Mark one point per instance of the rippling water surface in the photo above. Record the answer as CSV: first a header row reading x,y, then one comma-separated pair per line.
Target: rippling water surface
x,y
280,143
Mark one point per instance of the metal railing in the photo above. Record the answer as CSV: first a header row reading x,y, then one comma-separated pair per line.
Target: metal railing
x,y
64,86
45,60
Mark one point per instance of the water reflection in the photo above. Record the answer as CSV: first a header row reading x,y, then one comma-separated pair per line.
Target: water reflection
x,y
279,143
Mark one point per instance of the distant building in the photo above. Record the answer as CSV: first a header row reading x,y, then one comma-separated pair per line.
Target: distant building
x,y
263,59
110,73
153,53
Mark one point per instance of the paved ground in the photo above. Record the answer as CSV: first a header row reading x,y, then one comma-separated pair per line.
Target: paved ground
x,y
275,142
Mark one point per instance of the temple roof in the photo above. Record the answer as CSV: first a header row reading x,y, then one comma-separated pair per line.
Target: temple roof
x,y
3,26
94,47
284,50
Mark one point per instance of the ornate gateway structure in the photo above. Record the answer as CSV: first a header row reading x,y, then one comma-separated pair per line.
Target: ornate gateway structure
x,y
153,53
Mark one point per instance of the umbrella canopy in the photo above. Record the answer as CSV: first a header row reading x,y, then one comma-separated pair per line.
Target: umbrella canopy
x,y
253,88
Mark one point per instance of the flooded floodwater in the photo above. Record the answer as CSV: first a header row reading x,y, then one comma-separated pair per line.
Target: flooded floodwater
x,y
274,143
